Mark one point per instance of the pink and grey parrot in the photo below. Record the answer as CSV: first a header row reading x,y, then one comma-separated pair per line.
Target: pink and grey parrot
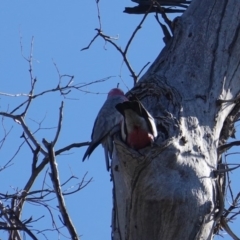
x,y
106,124
138,128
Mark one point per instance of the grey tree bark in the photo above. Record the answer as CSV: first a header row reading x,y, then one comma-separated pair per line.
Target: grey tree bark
x,y
169,190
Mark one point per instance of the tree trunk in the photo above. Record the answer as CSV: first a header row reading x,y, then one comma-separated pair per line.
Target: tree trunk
x,y
169,190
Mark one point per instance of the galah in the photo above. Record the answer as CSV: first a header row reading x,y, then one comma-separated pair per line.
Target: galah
x,y
138,128
106,124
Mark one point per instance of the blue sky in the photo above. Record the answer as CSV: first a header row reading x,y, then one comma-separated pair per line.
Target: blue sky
x,y
59,30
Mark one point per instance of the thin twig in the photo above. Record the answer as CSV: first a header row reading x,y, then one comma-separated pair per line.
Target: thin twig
x,y
91,42
99,15
61,89
139,26
108,39
143,68
167,36
122,52
73,145
30,97
164,16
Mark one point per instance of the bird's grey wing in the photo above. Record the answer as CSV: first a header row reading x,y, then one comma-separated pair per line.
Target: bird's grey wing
x,y
107,119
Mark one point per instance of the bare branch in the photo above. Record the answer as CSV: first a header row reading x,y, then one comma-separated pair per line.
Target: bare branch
x,y
35,158
30,97
227,146
73,145
164,16
227,169
29,134
143,69
6,133
233,100
59,124
68,87
139,26
24,228
10,160
14,95
91,42
233,206
228,229
123,53
81,185
99,16
167,36
57,186
109,39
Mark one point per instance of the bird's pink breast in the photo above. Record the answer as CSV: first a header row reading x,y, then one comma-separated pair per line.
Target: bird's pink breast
x,y
139,138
